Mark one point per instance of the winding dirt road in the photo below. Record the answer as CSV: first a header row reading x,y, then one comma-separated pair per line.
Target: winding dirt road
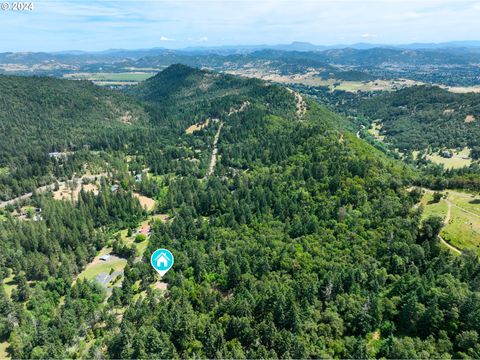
x,y
445,223
213,159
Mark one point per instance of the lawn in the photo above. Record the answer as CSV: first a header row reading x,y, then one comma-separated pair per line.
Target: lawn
x,y
98,266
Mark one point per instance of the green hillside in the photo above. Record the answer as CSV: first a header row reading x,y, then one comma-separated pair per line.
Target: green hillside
x,y
420,117
40,115
292,238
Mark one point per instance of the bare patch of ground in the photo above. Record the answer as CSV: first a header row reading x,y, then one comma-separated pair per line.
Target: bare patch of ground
x,y
70,191
463,89
197,127
469,119
160,285
375,131
146,202
240,109
126,118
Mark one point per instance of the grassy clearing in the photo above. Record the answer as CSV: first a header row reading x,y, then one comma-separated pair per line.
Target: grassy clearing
x,y
433,209
467,201
115,77
458,160
9,284
463,228
3,350
375,131
98,266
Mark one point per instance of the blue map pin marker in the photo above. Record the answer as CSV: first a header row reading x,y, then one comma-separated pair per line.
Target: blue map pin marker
x,y
162,261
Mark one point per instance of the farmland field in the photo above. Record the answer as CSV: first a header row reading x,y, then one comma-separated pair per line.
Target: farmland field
x,y
458,160
462,214
112,77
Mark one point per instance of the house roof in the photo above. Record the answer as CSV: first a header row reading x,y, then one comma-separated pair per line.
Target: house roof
x,y
145,230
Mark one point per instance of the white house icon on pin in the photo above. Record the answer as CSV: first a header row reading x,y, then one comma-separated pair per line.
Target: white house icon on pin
x,y
162,261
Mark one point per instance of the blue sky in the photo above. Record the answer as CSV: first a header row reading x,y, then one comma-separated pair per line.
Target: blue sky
x,y
98,25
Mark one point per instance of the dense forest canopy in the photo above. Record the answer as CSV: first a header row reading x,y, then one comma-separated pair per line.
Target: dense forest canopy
x,y
420,117
303,241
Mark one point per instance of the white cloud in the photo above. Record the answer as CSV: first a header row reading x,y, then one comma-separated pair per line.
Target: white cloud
x,y
203,39
165,39
369,36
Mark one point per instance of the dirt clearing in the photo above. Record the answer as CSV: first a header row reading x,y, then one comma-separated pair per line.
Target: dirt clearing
x,y
469,119
146,202
197,127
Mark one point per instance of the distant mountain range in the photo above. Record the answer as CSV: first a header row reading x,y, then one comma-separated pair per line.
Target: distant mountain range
x,y
294,46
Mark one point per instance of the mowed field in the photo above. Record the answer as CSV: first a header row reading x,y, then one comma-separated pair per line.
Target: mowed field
x,y
461,211
458,160
112,78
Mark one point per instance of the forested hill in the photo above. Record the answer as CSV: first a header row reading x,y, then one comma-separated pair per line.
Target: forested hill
x,y
302,242
39,115
181,82
46,114
421,117
180,88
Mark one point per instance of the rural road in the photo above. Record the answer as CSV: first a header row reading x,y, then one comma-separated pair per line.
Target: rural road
x,y
47,188
446,221
301,105
213,160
